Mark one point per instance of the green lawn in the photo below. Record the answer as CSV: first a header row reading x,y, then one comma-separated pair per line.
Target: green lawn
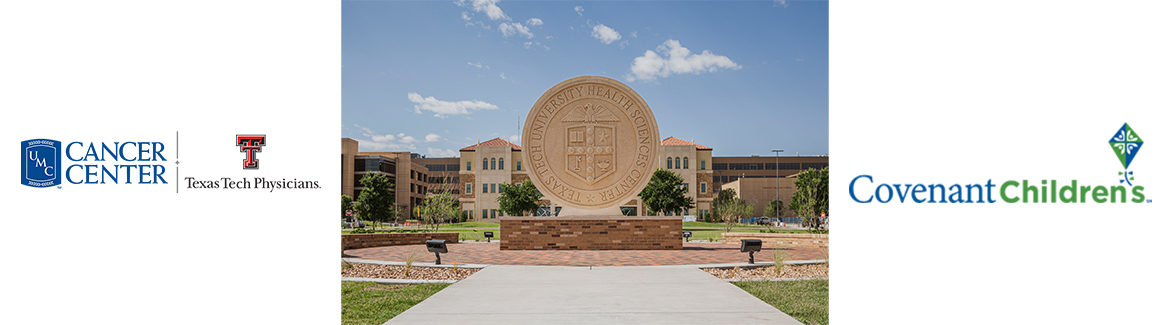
x,y
807,301
471,224
372,303
697,224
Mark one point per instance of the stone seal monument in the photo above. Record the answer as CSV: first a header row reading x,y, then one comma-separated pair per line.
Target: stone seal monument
x,y
591,144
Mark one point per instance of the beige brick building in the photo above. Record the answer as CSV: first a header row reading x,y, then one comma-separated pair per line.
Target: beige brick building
x,y
476,175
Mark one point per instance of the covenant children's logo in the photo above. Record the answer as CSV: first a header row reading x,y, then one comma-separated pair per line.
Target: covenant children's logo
x,y
1125,144
40,162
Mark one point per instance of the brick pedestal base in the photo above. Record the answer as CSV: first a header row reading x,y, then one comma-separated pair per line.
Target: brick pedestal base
x,y
590,233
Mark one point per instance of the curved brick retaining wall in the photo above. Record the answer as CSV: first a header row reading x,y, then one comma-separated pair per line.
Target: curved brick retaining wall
x,y
797,240
351,241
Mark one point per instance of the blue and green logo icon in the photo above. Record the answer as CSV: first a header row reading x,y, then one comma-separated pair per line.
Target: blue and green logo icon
x,y
1125,144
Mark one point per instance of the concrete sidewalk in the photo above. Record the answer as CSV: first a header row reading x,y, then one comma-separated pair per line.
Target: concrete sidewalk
x,y
506,294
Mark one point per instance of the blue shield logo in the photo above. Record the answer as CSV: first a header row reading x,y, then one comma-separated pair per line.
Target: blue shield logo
x,y
40,162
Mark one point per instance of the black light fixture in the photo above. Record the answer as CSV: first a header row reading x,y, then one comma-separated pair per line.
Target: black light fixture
x,y
489,235
687,235
751,246
437,246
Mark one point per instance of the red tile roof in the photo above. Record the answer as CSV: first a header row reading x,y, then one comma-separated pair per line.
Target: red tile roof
x,y
672,141
493,142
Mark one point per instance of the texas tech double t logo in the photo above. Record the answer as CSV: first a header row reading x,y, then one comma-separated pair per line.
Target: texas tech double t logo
x,y
251,144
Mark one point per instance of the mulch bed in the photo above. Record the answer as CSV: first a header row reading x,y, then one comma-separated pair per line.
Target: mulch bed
x,y
788,271
361,270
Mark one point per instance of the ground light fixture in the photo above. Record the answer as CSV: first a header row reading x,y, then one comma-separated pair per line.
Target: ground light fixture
x,y
488,235
751,246
437,246
687,235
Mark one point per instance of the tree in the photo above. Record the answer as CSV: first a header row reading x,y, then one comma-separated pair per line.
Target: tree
x,y
519,200
665,193
346,205
439,207
811,197
724,197
733,210
375,203
775,209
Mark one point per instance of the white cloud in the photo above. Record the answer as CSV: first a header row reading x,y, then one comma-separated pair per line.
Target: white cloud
x,y
528,45
479,65
487,7
513,28
466,16
634,34
444,108
377,142
435,153
780,3
432,137
535,22
502,76
407,140
624,43
579,10
514,139
676,59
605,34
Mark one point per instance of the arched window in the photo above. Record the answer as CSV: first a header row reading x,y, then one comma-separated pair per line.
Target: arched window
x,y
686,162
668,163
485,164
493,163
676,164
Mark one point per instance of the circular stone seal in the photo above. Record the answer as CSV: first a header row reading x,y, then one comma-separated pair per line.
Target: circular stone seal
x,y
591,143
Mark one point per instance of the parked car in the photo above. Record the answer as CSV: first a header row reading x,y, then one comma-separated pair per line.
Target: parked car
x,y
764,221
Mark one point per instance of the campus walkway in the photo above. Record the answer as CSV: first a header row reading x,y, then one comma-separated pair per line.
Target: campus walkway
x,y
506,294
490,253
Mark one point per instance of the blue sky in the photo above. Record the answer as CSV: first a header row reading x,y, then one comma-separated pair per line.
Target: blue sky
x,y
743,77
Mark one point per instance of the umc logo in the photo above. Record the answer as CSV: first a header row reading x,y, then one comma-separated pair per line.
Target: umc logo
x,y
251,144
40,162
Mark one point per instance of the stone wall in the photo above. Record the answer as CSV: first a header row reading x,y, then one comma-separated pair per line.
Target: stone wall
x,y
351,241
773,240
591,233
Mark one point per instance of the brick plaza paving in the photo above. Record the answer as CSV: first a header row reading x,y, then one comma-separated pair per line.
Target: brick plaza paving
x,y
490,253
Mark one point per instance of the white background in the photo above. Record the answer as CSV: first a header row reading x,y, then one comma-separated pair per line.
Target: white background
x,y
962,92
921,92
140,71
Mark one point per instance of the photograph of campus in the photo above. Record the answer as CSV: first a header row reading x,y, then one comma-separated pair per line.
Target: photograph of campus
x,y
594,162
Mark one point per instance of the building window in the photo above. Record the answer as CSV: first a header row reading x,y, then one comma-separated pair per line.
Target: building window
x,y
686,186
468,188
485,164
517,165
668,163
468,166
485,213
493,188
703,188
485,188
493,163
702,165
493,213
686,162
676,164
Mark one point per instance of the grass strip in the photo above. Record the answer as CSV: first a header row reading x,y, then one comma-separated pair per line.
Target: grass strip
x,y
807,301
372,303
